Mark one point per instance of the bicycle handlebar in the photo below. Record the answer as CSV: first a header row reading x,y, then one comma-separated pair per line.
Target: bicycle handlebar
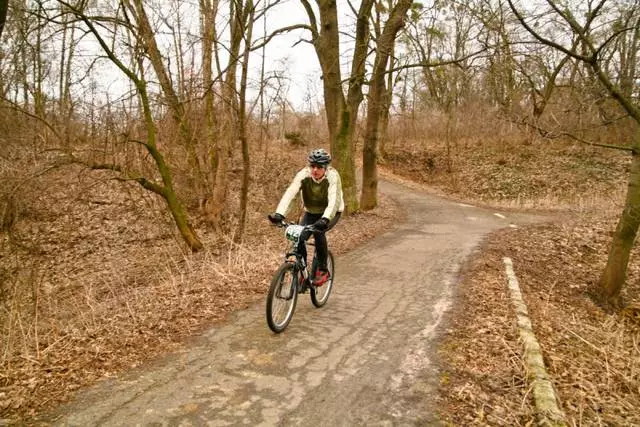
x,y
285,224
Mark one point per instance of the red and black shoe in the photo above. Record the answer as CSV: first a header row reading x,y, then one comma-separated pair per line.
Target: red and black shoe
x,y
321,277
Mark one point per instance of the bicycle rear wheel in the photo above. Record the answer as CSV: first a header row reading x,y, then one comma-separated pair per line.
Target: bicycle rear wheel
x,y
282,297
320,294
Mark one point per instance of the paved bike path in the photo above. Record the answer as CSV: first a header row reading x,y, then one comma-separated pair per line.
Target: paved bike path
x,y
366,358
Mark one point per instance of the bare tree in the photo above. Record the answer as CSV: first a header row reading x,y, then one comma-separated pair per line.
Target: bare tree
x,y
166,189
208,12
146,35
341,110
441,40
592,52
542,80
67,53
384,46
239,13
248,21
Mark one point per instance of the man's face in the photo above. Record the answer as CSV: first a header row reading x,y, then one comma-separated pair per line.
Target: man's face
x,y
317,171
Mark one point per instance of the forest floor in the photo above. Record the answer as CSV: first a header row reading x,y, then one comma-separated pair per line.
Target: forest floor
x,y
592,357
112,288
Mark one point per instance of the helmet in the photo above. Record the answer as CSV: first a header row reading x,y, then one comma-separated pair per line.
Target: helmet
x,y
319,156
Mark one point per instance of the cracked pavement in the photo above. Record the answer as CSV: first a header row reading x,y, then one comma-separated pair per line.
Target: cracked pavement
x,y
368,357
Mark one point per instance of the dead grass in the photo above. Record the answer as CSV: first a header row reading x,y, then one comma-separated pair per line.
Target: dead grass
x,y
101,284
592,357
93,282
515,174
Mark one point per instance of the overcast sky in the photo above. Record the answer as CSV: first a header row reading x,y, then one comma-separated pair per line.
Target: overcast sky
x,y
285,54
302,63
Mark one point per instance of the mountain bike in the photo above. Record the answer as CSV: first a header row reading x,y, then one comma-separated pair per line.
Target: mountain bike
x,y
293,278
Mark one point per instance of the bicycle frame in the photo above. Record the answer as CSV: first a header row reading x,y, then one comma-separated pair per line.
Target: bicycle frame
x,y
301,265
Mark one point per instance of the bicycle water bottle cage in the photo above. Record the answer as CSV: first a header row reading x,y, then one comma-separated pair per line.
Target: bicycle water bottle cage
x,y
293,232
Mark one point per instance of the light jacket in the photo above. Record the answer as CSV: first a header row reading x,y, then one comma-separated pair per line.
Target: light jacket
x,y
321,197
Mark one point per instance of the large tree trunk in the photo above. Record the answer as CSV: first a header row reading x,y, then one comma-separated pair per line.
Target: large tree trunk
x,y
369,196
341,112
178,212
327,47
614,275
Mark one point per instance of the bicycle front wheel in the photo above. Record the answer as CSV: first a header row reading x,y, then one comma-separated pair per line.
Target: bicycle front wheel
x,y
320,294
282,297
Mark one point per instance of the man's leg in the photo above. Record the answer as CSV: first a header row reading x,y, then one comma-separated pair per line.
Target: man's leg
x,y
307,219
323,274
321,249
321,243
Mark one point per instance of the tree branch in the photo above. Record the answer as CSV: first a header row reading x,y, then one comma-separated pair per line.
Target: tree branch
x,y
543,40
545,133
144,182
428,64
102,43
592,60
313,22
267,39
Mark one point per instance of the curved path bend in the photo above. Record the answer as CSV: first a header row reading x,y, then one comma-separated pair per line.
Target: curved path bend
x,y
366,358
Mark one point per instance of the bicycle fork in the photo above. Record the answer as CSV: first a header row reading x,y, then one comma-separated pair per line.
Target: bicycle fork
x,y
302,276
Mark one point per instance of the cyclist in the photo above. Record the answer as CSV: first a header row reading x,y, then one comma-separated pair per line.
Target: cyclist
x,y
321,190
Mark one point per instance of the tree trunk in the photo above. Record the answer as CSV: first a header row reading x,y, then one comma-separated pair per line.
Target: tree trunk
x,y
176,207
38,66
208,11
167,191
262,87
146,33
387,100
341,112
242,120
4,6
369,196
614,275
229,125
178,212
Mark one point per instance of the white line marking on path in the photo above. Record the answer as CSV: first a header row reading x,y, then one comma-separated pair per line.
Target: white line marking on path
x,y
500,215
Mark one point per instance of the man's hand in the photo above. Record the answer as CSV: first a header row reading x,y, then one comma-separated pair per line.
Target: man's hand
x,y
275,218
322,224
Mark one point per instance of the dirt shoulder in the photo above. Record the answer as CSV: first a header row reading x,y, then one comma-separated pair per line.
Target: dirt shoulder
x,y
592,357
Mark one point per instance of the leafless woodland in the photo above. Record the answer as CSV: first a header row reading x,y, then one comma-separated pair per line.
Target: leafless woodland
x,y
188,152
